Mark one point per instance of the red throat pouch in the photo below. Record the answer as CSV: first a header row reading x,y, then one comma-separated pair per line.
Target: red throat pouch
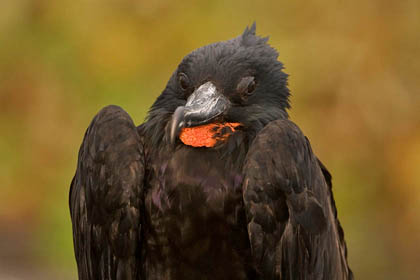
x,y
206,135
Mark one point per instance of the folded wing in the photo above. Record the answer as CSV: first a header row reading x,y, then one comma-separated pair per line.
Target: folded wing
x,y
292,224
106,198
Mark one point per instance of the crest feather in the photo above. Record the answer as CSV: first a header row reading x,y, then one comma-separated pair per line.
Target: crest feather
x,y
250,30
249,36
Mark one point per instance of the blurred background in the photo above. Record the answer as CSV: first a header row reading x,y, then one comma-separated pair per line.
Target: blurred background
x,y
354,76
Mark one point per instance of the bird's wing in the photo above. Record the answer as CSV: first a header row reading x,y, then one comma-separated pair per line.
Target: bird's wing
x,y
106,198
292,224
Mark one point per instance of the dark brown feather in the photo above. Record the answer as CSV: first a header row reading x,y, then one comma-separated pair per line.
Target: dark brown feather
x,y
292,221
106,198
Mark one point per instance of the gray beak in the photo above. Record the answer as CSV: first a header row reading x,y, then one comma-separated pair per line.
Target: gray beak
x,y
204,105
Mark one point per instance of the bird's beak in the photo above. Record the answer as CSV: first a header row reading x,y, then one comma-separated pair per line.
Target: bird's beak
x,y
204,105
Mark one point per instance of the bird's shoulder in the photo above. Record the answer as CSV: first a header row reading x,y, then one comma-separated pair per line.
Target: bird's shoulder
x,y
280,133
280,144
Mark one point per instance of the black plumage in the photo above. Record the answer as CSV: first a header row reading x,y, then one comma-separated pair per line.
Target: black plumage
x,y
256,205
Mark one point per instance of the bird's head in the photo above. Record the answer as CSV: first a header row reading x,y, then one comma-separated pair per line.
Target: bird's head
x,y
233,83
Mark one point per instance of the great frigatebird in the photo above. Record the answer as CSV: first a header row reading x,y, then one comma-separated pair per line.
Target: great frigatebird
x,y
217,183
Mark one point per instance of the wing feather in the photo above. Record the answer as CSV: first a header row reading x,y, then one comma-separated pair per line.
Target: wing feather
x,y
292,224
106,198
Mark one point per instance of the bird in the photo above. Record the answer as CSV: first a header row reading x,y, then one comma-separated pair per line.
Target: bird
x,y
217,183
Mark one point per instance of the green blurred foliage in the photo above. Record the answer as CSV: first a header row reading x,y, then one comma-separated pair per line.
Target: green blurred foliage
x,y
354,75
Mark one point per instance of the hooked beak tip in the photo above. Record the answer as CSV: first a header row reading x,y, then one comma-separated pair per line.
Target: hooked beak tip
x,y
177,123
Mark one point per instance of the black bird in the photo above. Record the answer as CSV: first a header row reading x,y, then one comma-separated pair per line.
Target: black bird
x,y
218,183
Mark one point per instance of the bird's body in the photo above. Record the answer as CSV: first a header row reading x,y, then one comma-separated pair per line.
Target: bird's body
x,y
252,203
196,223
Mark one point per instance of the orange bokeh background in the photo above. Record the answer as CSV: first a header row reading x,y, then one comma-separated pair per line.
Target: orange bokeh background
x,y
354,76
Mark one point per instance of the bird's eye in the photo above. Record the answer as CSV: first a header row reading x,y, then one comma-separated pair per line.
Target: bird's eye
x,y
246,85
184,81
251,86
